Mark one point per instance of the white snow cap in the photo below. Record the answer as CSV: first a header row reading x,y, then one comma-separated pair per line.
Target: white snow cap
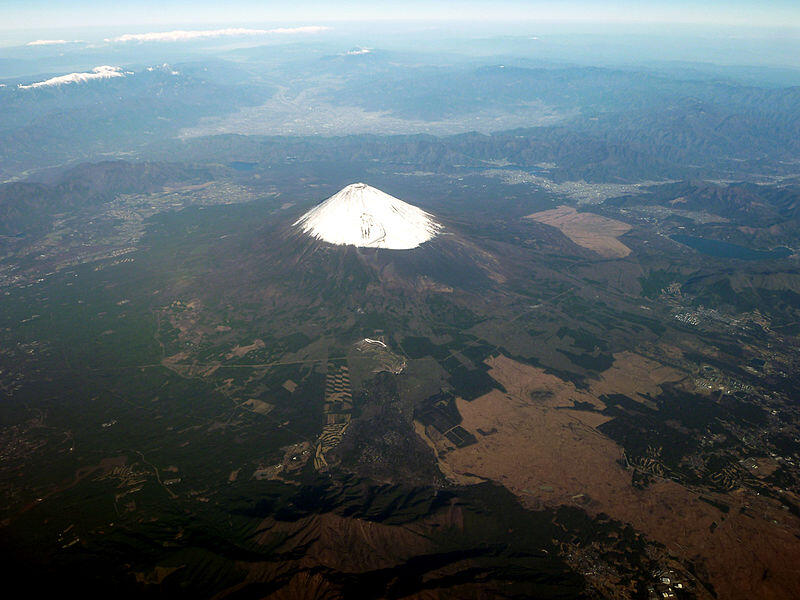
x,y
361,215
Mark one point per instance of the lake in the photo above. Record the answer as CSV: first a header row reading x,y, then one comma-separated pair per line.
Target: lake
x,y
727,250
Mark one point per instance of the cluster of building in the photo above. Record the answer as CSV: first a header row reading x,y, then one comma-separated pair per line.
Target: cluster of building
x,y
666,586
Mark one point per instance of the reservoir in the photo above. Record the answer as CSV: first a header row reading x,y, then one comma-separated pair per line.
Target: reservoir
x,y
722,249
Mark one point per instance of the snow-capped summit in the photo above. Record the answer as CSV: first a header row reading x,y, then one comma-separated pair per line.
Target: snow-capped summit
x,y
361,215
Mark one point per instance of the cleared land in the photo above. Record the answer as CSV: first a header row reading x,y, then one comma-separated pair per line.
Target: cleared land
x,y
337,409
635,376
550,456
591,231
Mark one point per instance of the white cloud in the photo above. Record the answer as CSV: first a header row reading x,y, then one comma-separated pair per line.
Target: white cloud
x,y
46,42
293,30
182,35
104,72
52,42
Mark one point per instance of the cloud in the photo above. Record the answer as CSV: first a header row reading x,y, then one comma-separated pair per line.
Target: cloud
x,y
104,72
52,42
182,35
293,30
358,50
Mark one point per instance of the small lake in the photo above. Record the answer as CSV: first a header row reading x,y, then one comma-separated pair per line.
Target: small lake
x,y
727,250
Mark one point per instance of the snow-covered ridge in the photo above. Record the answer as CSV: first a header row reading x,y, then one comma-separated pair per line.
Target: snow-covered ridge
x,y
103,72
361,215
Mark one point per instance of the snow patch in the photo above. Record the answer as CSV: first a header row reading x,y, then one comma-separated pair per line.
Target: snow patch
x,y
162,67
358,50
103,72
363,216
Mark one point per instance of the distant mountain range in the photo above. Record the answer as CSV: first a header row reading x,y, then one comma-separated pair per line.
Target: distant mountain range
x,y
607,124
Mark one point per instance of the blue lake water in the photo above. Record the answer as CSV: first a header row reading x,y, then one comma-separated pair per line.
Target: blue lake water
x,y
727,250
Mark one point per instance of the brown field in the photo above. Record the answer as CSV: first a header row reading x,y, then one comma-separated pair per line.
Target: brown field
x,y
591,231
258,406
240,351
550,456
636,377
526,381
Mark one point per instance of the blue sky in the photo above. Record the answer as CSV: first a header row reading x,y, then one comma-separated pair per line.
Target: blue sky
x,y
50,14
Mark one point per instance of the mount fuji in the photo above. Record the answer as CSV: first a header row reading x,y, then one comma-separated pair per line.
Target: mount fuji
x,y
360,240
363,216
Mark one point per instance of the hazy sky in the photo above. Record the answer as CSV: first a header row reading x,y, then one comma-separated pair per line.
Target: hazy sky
x,y
51,14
